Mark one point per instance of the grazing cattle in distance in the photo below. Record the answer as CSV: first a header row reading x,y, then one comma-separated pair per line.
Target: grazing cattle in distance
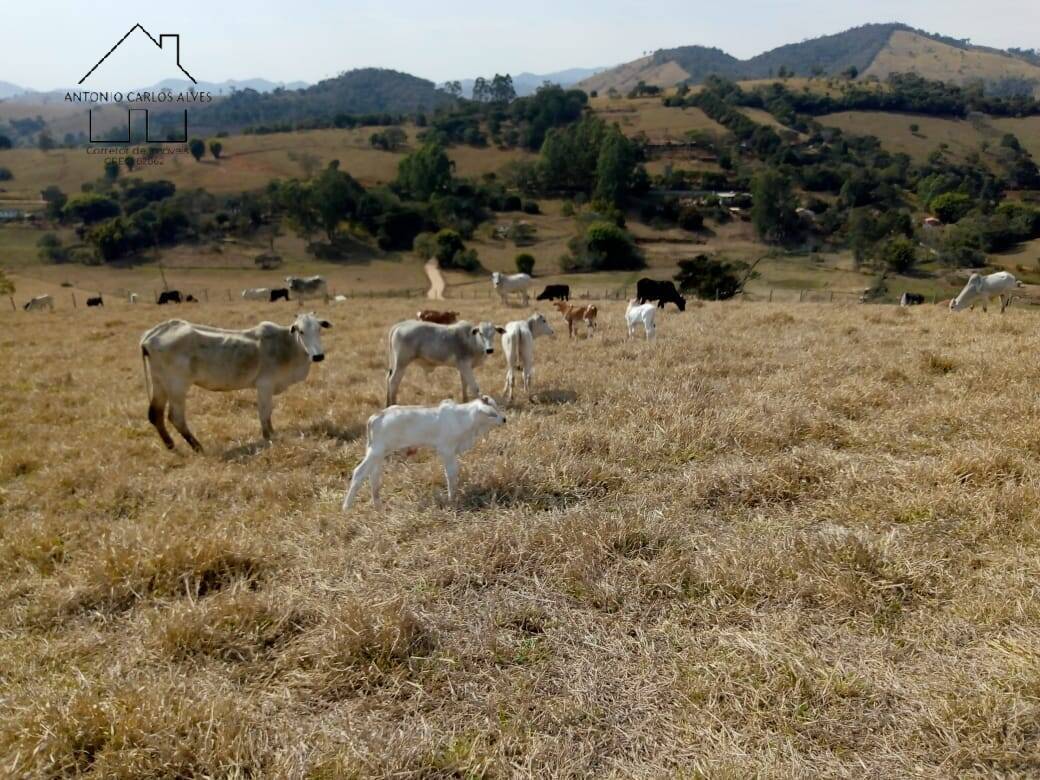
x,y
304,287
39,303
257,294
645,313
268,357
95,301
982,288
338,299
555,292
911,299
463,345
189,298
279,294
169,296
440,317
450,429
575,314
510,283
518,345
132,297
662,292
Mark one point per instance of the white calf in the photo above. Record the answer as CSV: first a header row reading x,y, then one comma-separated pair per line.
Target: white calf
x,y
983,288
451,429
518,344
645,313
509,283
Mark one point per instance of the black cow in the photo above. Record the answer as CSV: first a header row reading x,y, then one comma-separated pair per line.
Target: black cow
x,y
555,292
911,299
169,296
191,299
662,292
95,301
279,294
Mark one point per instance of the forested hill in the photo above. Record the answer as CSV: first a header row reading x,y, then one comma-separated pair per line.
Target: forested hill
x,y
362,91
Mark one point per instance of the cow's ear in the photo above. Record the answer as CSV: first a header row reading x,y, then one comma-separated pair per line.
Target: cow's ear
x,y
475,331
325,324
500,330
294,329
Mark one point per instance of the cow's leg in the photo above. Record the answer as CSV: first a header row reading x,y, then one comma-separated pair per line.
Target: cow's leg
x,y
375,479
364,469
528,375
393,381
1005,300
264,406
469,381
157,413
178,401
510,379
451,473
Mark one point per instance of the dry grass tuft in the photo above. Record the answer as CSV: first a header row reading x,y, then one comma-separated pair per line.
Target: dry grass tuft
x,y
785,540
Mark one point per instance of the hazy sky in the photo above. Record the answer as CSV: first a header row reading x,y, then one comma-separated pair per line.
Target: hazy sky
x,y
49,43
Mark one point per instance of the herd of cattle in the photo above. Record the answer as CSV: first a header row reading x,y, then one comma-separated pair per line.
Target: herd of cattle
x,y
269,358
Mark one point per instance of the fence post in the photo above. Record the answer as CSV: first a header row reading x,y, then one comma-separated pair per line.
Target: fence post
x,y
228,295
770,294
205,293
801,295
11,299
832,296
73,300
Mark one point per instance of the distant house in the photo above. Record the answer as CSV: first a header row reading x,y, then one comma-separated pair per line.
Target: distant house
x,y
805,214
9,215
931,222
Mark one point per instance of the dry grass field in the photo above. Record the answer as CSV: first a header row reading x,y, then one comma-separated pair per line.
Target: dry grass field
x,y
783,541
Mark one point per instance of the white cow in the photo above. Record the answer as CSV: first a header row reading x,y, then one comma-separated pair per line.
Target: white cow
x,y
1000,284
269,357
132,297
304,287
645,313
39,303
518,344
451,429
509,283
257,294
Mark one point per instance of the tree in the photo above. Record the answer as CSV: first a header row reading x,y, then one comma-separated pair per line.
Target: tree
x,y
90,208
5,142
111,169
453,88
481,90
709,277
390,139
6,285
899,254
525,263
950,207
335,196
130,161
55,200
501,89
614,166
772,208
197,148
45,141
603,246
50,249
215,148
424,172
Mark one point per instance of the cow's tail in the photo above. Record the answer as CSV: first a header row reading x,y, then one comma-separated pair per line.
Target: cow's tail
x,y
147,372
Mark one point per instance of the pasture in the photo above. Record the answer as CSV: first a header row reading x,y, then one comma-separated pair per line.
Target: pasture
x,y
786,540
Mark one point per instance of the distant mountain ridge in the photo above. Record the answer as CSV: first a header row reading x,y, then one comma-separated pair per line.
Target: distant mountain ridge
x,y
871,49
8,90
527,83
218,88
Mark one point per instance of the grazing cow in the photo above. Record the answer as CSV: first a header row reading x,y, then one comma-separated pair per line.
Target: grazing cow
x,y
304,287
279,294
132,297
555,292
518,344
911,299
95,301
662,292
440,317
337,299
39,303
575,314
510,283
463,345
257,294
645,313
268,357
169,296
189,298
450,428
1000,284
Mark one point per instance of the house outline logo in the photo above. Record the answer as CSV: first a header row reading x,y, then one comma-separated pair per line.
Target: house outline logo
x,y
143,96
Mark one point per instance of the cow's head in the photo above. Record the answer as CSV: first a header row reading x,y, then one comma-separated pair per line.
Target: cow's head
x,y
496,279
680,302
487,407
484,334
540,326
307,328
968,294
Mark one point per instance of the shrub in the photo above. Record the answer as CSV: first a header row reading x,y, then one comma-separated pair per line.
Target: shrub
x,y
709,277
51,250
5,174
525,263
603,246
951,207
899,254
690,219
531,207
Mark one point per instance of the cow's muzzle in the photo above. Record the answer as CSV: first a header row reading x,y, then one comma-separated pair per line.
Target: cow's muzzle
x,y
490,351
317,358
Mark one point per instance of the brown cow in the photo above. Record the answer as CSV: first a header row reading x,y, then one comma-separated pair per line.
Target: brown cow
x,y
440,317
575,314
